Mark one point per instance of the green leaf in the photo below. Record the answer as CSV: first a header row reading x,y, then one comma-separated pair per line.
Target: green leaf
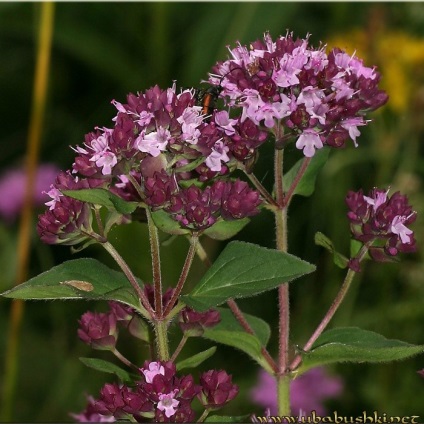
x,y
166,224
231,333
243,270
227,419
195,360
84,278
246,342
223,230
102,197
321,240
352,344
106,366
230,323
306,185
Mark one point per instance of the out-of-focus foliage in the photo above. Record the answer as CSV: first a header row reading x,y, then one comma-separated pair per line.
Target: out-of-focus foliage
x,y
102,51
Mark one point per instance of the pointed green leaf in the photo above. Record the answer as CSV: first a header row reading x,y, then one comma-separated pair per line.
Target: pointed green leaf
x,y
106,366
247,343
227,419
84,278
223,230
102,197
306,185
340,260
352,344
243,270
230,323
231,333
166,224
195,360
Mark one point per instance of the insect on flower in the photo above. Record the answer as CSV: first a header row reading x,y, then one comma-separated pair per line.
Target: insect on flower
x,y
207,98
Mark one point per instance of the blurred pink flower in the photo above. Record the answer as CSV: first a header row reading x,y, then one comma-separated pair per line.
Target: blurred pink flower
x,y
308,391
12,189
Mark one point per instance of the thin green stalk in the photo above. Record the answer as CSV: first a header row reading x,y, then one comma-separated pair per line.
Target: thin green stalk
x,y
296,180
155,252
184,273
148,312
124,360
45,35
179,348
161,328
203,416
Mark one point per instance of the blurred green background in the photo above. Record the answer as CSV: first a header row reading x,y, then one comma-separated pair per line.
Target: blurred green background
x,y
102,51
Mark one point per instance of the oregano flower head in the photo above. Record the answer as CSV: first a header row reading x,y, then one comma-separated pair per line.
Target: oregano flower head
x,y
288,86
382,221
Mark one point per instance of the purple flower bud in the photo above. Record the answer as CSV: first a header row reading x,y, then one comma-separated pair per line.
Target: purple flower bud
x,y
239,201
217,389
194,322
98,330
121,311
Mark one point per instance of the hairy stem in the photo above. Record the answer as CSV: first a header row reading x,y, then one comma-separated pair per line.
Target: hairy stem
x,y
161,328
184,273
331,311
148,312
155,252
283,379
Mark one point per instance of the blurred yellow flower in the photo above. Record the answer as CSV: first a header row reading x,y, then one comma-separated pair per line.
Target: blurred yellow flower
x,y
399,57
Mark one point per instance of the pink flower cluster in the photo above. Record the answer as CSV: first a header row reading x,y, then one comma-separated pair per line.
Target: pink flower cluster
x,y
179,160
287,86
381,221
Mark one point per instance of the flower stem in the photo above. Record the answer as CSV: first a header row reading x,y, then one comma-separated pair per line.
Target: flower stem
x,y
183,277
161,327
262,190
283,379
331,311
203,416
147,311
155,252
297,178
238,314
179,348
124,360
39,94
201,253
